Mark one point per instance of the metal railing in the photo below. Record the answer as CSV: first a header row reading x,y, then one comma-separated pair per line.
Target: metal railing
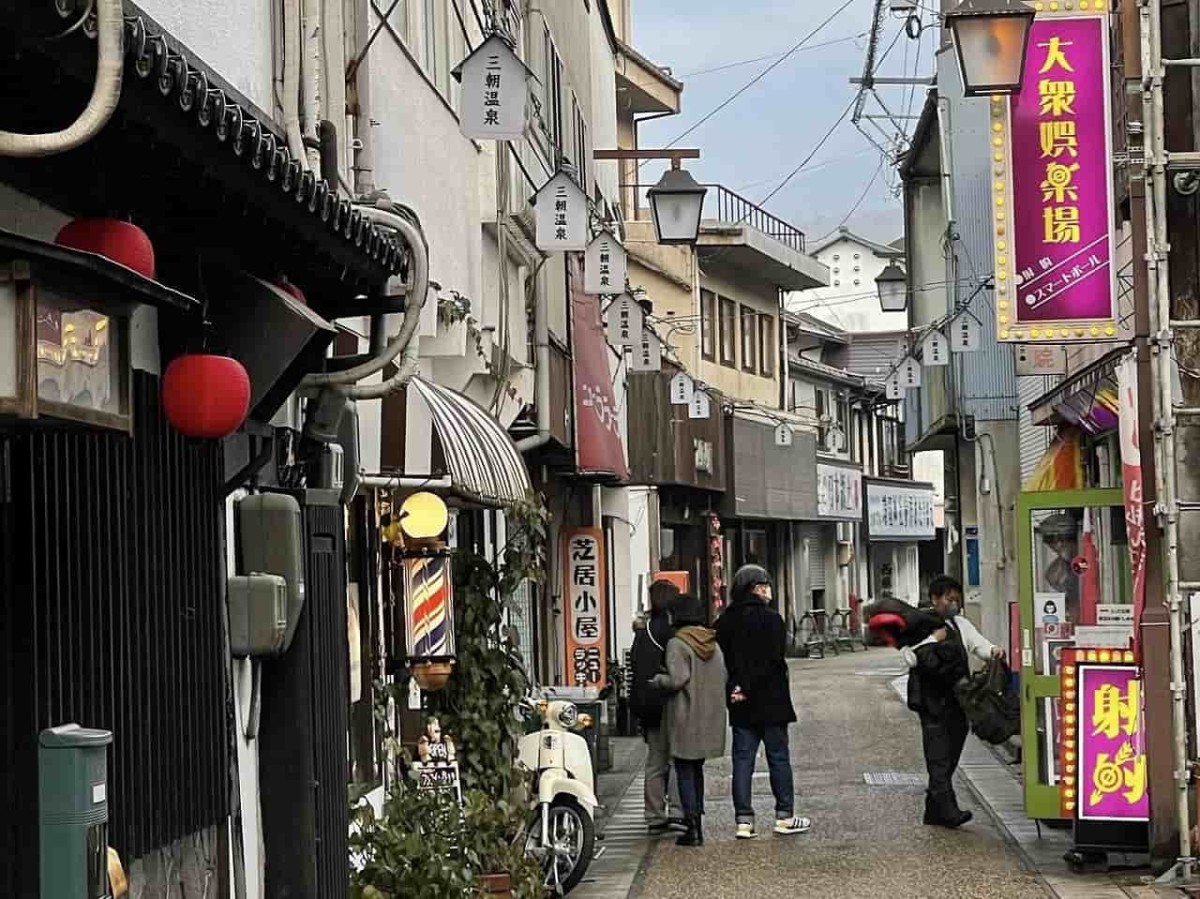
x,y
722,206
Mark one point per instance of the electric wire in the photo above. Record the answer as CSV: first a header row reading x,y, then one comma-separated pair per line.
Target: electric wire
x,y
746,62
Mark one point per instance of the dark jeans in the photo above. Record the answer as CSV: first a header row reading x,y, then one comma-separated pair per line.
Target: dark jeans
x,y
779,764
690,775
943,736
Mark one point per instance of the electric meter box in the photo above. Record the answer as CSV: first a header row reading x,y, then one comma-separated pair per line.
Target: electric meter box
x,y
258,615
270,542
73,812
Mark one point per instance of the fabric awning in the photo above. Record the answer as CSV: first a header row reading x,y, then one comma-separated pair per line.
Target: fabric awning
x,y
484,462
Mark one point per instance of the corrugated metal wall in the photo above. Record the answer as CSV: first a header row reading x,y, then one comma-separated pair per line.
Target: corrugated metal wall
x,y
110,616
986,379
1035,439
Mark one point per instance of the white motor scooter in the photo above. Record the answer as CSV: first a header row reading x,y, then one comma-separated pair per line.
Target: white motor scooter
x,y
562,828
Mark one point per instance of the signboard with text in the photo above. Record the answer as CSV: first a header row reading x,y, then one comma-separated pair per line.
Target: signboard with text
x,y
900,513
1111,781
1052,187
585,607
839,492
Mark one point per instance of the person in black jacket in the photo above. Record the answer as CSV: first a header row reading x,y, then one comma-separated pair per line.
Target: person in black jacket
x,y
753,639
648,658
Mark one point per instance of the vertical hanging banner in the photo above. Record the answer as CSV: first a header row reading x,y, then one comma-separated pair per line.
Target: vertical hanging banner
x,y
604,265
700,405
598,444
1052,186
1131,482
909,373
561,215
494,92
647,352
682,387
894,389
623,321
585,607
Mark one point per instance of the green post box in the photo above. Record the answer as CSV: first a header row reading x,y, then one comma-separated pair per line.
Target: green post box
x,y
73,812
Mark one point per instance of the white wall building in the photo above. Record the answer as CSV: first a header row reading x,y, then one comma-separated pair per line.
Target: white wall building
x,y
851,301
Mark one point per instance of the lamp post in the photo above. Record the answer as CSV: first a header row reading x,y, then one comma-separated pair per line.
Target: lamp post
x,y
676,201
990,40
892,284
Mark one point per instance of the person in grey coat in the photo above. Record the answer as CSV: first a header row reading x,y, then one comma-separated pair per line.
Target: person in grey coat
x,y
695,713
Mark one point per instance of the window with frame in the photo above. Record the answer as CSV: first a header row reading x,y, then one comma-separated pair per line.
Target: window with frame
x,y
728,333
767,349
708,324
821,401
749,340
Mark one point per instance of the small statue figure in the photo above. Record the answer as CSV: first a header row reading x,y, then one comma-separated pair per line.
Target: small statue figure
x,y
434,746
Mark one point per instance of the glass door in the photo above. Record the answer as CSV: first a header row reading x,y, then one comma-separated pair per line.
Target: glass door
x,y
1073,560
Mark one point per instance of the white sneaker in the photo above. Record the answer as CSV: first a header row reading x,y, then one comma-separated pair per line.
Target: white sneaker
x,y
746,832
790,826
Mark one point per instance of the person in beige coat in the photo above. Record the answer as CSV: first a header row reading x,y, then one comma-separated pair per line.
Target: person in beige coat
x,y
695,713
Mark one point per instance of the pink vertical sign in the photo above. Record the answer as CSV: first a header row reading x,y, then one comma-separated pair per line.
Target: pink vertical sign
x,y
1052,188
1131,480
1111,782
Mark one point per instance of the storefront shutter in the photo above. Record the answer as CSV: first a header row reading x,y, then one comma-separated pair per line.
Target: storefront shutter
x,y
818,538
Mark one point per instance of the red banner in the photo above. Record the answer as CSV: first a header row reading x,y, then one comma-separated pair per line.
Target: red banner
x,y
598,443
1131,478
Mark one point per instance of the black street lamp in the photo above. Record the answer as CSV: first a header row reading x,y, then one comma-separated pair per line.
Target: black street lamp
x,y
676,203
990,39
893,288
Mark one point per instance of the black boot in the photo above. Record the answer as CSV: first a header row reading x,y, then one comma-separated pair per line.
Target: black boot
x,y
942,810
694,836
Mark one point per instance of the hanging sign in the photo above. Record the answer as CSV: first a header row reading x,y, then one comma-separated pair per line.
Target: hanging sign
x,y
682,388
494,92
1040,359
586,606
647,352
935,349
783,435
895,390
624,321
561,215
964,333
1111,782
700,406
1131,482
1052,187
909,372
604,265
839,492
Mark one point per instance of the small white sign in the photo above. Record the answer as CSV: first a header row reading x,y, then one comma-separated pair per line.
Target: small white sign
x,y
624,321
1089,636
561,215
1040,359
99,793
700,406
895,390
935,349
839,492
682,388
647,353
604,265
909,372
964,333
1114,615
494,92
703,452
783,435
414,695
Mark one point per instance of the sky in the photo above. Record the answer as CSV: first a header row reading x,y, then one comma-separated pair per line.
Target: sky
x,y
753,143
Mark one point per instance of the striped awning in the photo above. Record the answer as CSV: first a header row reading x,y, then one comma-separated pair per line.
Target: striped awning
x,y
484,462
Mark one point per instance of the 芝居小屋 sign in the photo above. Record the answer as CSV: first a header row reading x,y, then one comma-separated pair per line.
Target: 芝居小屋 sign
x,y
585,607
1052,186
1111,782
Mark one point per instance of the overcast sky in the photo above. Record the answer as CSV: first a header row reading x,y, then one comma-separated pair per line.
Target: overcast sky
x,y
752,144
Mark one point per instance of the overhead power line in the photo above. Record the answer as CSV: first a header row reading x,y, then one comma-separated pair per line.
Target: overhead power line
x,y
807,159
746,62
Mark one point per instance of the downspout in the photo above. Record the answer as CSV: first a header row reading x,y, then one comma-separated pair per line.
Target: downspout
x,y
310,69
541,393
334,72
106,91
291,82
418,293
364,163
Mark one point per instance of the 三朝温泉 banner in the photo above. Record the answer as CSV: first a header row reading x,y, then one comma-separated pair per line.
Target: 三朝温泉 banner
x,y
1052,187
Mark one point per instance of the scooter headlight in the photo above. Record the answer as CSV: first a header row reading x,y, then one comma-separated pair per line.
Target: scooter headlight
x,y
568,715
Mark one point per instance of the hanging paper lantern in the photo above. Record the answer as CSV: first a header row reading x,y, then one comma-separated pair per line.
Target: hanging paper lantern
x,y
205,396
122,242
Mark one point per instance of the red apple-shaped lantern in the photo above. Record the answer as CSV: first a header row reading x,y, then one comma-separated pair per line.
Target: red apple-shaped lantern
x,y
122,242
205,395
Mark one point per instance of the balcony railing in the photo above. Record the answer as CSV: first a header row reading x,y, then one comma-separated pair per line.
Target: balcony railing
x,y
723,206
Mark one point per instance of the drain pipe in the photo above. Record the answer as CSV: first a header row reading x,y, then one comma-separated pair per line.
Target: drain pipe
x,y
310,71
106,91
541,383
291,82
406,224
